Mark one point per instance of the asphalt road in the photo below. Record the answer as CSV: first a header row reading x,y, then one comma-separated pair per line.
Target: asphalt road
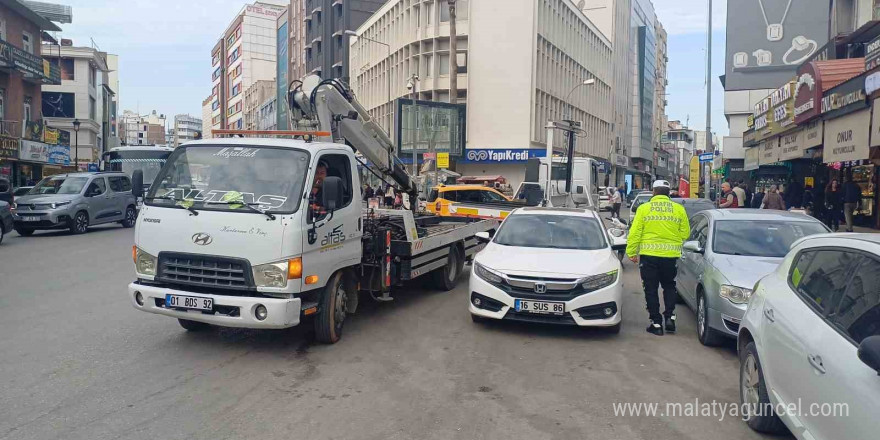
x,y
78,362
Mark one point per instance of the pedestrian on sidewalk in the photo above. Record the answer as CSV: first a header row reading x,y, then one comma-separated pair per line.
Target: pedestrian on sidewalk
x,y
772,200
740,194
749,194
852,195
728,198
758,198
654,243
807,200
616,200
389,195
833,205
818,210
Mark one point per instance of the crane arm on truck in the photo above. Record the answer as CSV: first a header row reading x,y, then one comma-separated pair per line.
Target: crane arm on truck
x,y
332,104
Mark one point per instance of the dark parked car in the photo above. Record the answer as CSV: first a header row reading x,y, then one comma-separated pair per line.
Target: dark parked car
x,y
6,222
693,206
632,195
5,191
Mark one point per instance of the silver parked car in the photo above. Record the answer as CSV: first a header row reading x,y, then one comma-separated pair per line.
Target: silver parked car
x,y
728,251
75,202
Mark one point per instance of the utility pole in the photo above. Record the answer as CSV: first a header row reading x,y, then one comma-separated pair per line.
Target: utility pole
x,y
709,146
412,84
453,54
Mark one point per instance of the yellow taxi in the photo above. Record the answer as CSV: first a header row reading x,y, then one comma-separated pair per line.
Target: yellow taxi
x,y
443,196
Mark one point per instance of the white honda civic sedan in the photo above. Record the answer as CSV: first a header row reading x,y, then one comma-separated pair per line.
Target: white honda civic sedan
x,y
809,342
549,265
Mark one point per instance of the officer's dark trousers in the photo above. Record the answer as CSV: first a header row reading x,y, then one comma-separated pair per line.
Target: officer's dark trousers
x,y
656,272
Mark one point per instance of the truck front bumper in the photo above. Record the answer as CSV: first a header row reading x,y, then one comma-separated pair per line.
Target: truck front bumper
x,y
229,311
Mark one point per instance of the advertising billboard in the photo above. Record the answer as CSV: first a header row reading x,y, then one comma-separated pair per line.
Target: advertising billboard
x,y
58,105
768,39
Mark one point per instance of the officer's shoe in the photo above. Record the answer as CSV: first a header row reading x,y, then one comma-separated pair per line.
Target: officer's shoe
x,y
670,324
655,328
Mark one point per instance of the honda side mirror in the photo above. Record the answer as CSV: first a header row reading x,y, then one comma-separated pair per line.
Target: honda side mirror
x,y
869,352
332,193
137,183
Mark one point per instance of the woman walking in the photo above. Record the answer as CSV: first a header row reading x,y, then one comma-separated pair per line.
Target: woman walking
x,y
772,200
833,205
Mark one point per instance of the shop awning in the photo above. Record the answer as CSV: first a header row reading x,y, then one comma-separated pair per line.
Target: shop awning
x,y
835,72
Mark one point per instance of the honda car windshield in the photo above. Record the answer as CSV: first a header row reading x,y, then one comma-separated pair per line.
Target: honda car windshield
x,y
59,185
218,177
551,231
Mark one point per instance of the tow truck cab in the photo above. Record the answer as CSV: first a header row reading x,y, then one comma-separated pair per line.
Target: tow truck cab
x,y
228,222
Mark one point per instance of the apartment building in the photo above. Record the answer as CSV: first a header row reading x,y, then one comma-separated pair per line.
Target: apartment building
x,y
254,97
661,120
186,128
521,63
206,118
143,129
326,45
245,53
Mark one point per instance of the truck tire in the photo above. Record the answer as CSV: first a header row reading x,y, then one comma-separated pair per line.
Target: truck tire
x,y
193,326
331,311
446,277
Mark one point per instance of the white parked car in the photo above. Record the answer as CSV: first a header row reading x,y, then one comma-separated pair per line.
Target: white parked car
x,y
810,340
604,199
640,199
549,266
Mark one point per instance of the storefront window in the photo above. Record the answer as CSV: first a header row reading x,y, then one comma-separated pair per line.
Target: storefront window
x,y
864,177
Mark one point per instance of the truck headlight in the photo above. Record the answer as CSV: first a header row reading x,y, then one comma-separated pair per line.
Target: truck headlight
x,y
144,263
58,204
487,274
736,295
271,274
600,281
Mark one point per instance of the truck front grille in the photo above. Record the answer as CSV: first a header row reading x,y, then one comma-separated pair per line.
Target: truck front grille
x,y
205,271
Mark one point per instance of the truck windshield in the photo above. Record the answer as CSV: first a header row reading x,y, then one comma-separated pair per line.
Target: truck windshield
x,y
269,179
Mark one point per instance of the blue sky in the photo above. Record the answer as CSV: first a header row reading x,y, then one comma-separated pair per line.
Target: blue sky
x,y
164,51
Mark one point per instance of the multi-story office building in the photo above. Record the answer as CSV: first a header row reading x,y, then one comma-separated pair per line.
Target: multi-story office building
x,y
206,118
143,130
661,121
326,45
245,53
521,64
267,114
22,79
254,97
81,96
186,128
643,71
296,15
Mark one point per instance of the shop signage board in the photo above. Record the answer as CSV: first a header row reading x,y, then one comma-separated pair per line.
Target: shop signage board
x,y
775,113
502,155
845,98
769,151
875,124
34,151
443,160
847,137
872,83
791,145
706,157
694,177
59,155
813,132
753,158
807,93
9,147
872,54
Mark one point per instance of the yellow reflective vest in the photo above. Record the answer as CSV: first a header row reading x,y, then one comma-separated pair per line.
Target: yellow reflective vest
x,y
659,229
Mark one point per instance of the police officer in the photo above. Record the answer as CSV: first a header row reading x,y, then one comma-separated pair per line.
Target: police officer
x,y
654,242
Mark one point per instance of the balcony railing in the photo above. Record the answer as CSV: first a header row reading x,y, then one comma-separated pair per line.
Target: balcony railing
x,y
30,65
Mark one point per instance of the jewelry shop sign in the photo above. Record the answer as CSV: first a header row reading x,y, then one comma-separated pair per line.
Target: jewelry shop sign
x,y
775,113
847,137
845,98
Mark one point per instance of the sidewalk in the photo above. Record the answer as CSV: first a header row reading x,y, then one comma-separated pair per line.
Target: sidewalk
x,y
863,230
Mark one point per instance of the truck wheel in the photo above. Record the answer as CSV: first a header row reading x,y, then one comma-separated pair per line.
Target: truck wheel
x,y
24,232
193,326
331,311
446,277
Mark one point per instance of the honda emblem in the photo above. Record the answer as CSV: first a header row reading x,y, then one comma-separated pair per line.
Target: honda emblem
x,y
202,239
540,288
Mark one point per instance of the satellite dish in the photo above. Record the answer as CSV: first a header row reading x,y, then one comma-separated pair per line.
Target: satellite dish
x,y
581,5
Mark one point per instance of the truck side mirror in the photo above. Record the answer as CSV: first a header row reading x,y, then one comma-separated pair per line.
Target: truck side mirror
x,y
137,183
332,193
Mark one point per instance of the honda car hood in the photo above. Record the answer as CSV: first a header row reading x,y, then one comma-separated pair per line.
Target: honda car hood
x,y
244,234
547,262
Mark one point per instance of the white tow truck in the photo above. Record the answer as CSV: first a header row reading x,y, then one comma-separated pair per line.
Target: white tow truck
x,y
234,232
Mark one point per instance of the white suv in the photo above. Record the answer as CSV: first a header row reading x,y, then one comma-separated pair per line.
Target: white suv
x,y
809,342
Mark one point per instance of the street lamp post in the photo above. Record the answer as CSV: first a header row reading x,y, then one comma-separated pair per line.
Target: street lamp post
x,y
76,125
571,135
351,33
412,85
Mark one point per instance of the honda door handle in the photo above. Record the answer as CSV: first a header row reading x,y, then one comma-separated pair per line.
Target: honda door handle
x,y
768,313
816,361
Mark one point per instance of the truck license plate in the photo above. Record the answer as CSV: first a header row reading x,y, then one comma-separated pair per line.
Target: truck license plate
x,y
189,302
542,307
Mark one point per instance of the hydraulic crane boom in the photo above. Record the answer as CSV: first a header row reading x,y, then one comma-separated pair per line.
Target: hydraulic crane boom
x,y
336,111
